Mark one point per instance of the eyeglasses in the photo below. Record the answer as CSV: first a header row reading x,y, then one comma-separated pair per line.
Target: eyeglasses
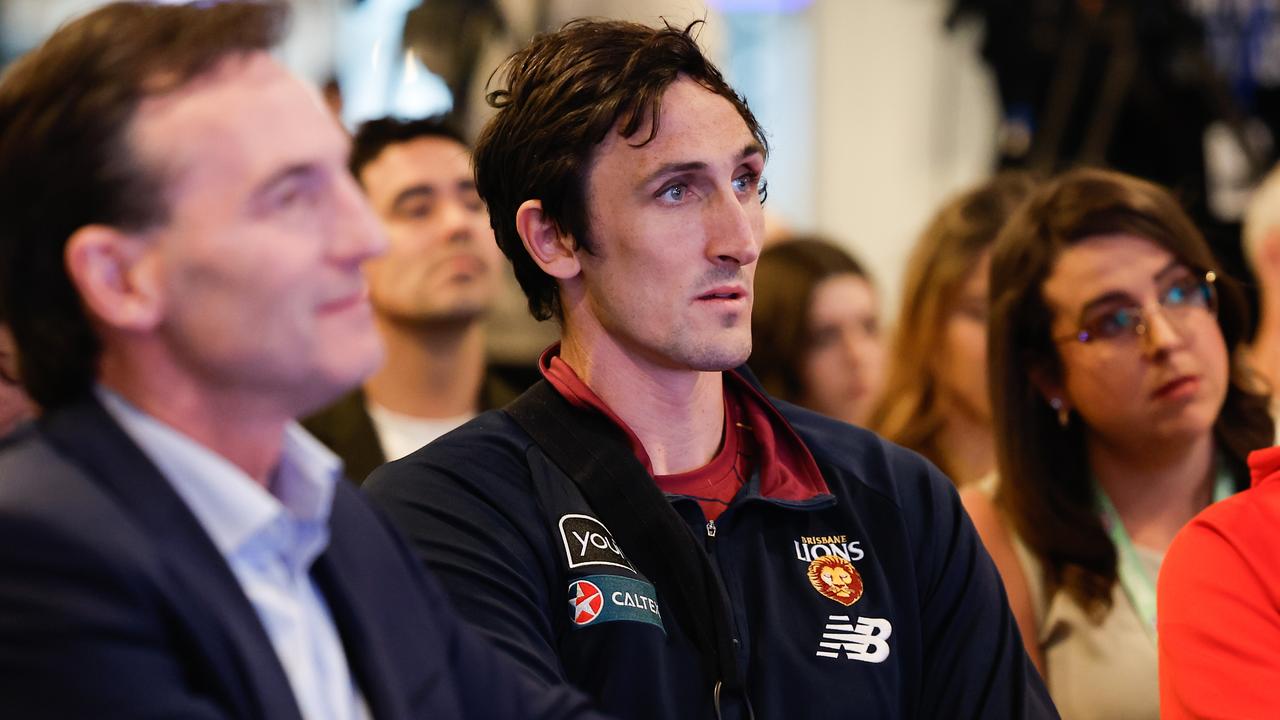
x,y
1180,302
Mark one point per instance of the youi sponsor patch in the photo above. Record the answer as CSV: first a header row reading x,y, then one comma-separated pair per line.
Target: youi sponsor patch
x,y
588,542
599,599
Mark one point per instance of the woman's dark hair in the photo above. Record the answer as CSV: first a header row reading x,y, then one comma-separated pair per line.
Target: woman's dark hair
x,y
786,276
65,113
561,96
1045,485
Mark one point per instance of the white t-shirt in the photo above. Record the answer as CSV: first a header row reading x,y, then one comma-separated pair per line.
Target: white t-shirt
x,y
401,434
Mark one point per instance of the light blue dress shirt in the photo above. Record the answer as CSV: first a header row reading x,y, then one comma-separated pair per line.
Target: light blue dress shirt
x,y
270,539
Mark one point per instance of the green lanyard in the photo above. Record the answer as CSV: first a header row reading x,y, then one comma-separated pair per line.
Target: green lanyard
x,y
1137,584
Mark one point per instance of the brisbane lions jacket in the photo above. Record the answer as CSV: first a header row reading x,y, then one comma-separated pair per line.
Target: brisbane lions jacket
x,y
868,595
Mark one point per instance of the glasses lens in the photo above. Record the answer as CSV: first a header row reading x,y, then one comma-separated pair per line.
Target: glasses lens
x,y
1190,293
1187,294
1114,323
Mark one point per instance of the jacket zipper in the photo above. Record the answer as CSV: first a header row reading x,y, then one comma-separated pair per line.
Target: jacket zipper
x,y
737,644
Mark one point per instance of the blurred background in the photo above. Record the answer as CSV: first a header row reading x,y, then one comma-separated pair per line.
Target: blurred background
x,y
877,110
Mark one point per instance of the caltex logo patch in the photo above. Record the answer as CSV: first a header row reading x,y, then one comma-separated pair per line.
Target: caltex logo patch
x,y
585,601
598,599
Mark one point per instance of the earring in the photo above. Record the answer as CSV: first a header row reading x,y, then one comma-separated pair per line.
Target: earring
x,y
1064,412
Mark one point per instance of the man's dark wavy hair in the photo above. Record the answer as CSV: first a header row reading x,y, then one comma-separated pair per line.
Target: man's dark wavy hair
x,y
374,136
65,112
557,100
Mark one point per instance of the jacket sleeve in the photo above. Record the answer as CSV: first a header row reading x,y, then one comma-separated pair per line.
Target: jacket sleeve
x,y
1219,628
81,635
475,525
975,663
491,687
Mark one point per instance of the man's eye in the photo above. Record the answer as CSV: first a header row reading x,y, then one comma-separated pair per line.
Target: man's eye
x,y
745,182
415,211
675,193
290,196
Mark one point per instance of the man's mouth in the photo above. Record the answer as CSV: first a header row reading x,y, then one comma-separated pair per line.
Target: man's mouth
x,y
344,302
724,293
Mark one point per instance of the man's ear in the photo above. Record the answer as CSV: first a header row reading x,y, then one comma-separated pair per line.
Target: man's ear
x,y
551,249
117,276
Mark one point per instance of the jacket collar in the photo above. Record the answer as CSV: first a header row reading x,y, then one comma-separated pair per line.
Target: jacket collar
x,y
1264,465
787,470
206,595
208,599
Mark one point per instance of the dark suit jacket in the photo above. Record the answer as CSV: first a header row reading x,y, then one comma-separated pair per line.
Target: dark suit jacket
x,y
346,428
115,603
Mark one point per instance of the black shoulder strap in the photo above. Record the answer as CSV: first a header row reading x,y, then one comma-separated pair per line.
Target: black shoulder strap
x,y
596,454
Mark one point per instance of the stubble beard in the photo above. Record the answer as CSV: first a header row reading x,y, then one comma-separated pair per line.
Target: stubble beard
x,y
717,352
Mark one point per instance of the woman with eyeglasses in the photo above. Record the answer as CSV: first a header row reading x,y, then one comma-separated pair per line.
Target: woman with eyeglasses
x,y
1121,408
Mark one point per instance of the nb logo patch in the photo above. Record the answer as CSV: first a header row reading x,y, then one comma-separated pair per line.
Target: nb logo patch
x,y
588,542
867,641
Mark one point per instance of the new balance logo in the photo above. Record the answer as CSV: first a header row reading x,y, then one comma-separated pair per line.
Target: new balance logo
x,y
867,641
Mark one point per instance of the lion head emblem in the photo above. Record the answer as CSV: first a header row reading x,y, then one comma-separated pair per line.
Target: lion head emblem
x,y
836,578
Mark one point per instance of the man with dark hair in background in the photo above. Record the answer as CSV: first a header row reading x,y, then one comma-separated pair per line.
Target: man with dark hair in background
x,y
430,292
180,262
646,524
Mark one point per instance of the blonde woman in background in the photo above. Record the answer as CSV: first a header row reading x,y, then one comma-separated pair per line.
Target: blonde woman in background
x,y
935,398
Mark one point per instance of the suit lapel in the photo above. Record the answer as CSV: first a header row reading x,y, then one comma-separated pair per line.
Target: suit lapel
x,y
339,576
229,638
345,426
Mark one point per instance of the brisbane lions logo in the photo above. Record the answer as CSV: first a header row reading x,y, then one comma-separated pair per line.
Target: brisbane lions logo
x,y
836,578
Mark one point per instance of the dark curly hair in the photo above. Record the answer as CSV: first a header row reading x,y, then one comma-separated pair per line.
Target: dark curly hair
x,y
559,99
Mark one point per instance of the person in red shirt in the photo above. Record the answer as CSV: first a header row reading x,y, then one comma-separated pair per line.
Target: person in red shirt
x,y
1218,606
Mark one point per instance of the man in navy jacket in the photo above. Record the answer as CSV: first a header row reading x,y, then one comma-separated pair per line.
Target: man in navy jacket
x,y
646,524
180,262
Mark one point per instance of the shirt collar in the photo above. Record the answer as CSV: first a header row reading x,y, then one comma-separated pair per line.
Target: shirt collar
x,y
230,505
788,470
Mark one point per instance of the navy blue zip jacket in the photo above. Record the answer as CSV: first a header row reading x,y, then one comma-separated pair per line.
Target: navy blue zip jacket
x,y
870,597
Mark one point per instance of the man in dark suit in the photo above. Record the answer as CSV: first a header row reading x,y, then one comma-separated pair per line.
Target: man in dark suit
x,y
180,263
430,293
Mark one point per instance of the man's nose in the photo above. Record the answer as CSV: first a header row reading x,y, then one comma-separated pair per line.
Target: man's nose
x,y
358,235
734,228
457,222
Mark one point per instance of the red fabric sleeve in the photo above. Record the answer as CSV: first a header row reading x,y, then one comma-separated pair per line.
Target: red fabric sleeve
x,y
1219,627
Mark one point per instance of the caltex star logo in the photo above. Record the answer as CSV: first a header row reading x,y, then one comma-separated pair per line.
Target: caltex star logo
x,y
585,601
